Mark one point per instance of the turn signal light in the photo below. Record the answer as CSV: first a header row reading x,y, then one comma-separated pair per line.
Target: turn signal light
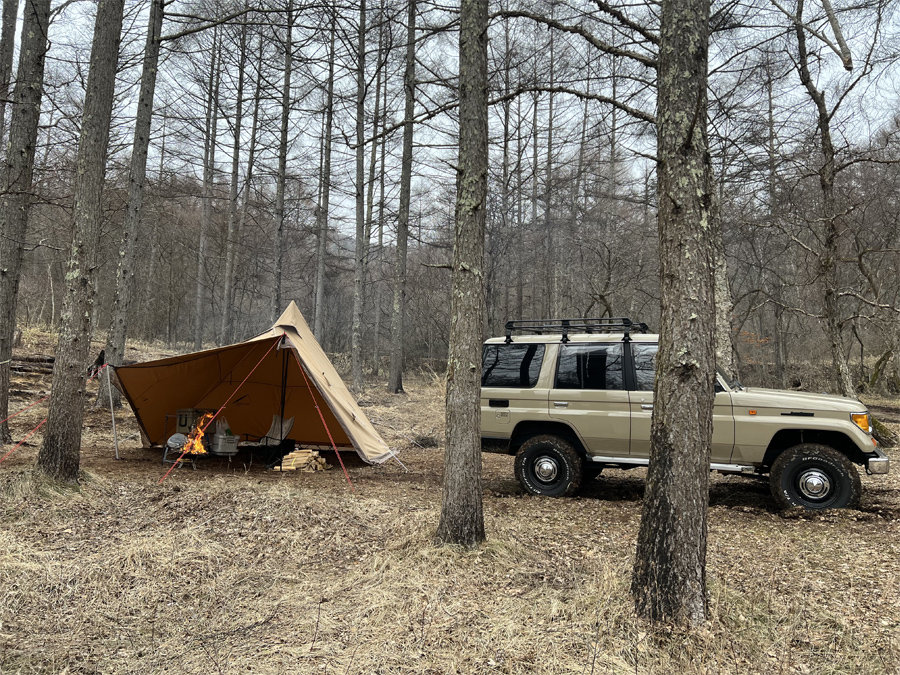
x,y
862,421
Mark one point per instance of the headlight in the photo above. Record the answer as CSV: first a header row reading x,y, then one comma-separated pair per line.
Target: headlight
x,y
862,421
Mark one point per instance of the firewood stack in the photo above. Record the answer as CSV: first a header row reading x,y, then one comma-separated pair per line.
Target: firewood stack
x,y
303,459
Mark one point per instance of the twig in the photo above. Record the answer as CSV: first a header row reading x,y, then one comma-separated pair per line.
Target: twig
x,y
316,633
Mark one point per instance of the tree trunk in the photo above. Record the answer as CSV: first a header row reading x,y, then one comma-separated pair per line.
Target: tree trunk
x,y
549,263
379,257
724,306
231,230
322,215
277,302
248,184
60,452
669,580
462,516
7,47
118,329
373,164
778,291
520,215
398,314
15,181
359,261
209,175
829,256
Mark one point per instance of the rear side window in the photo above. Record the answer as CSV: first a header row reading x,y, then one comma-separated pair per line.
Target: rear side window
x,y
644,365
512,365
590,367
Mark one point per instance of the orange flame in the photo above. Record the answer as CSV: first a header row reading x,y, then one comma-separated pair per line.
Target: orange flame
x,y
194,445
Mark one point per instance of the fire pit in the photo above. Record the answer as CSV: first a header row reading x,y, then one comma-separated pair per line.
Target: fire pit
x,y
190,446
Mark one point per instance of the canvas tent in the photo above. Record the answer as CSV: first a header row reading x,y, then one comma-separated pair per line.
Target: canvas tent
x,y
275,385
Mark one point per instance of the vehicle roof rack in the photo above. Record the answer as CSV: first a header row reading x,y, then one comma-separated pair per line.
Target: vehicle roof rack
x,y
566,326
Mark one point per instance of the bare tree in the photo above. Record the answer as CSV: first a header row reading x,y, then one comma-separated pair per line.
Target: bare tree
x,y
827,170
137,178
231,234
60,452
209,170
462,515
277,307
359,261
325,190
16,179
398,313
669,580
7,47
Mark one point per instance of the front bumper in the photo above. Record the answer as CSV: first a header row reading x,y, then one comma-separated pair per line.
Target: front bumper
x,y
879,464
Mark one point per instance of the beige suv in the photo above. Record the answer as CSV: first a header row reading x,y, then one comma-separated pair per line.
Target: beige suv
x,y
570,397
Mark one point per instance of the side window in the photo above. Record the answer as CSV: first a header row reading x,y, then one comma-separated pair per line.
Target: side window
x,y
644,365
512,365
590,367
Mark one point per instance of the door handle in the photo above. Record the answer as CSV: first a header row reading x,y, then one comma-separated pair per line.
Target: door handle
x,y
560,404
646,406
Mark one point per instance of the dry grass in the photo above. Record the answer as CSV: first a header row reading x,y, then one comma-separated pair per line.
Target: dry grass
x,y
233,569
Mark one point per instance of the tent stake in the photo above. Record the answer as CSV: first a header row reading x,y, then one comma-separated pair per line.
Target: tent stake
x,y
112,411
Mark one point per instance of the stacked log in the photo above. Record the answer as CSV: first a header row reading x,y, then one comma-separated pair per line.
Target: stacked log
x,y
303,459
36,365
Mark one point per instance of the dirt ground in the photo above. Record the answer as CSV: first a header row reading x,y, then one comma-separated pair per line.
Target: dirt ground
x,y
232,568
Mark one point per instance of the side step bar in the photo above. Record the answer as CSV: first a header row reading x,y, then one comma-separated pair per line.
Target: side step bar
x,y
643,461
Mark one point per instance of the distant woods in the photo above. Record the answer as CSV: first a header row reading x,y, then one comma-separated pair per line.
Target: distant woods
x,y
278,150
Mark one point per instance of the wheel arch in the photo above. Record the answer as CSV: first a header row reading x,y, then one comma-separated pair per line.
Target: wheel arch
x,y
788,438
525,430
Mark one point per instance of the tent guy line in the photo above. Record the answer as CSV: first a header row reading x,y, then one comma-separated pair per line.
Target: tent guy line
x,y
27,436
41,423
325,424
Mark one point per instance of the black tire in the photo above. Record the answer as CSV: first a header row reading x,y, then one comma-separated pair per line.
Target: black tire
x,y
549,466
815,477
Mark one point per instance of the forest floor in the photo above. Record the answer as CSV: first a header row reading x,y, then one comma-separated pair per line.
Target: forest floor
x,y
232,568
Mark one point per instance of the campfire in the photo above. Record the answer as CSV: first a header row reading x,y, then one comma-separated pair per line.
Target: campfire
x,y
194,445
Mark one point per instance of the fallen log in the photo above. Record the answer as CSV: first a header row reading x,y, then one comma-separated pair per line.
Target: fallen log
x,y
37,358
25,368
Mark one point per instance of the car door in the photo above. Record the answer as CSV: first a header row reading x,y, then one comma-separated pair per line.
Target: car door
x,y
644,363
509,391
588,393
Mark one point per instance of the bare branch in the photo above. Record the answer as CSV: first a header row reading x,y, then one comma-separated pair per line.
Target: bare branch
x,y
845,54
580,31
848,63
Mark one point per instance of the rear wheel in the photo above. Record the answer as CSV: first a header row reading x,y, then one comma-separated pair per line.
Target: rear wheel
x,y
815,477
549,466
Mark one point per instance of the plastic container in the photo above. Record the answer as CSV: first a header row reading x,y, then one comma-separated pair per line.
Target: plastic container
x,y
224,445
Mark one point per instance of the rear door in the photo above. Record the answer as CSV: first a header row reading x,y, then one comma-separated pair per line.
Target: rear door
x,y
509,378
588,393
644,360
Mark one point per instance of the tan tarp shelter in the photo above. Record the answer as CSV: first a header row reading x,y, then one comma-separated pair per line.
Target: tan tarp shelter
x,y
206,380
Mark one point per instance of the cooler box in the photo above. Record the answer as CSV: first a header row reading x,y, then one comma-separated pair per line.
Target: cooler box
x,y
225,445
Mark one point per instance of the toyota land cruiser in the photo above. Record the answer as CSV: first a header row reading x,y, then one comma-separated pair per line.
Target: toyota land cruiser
x,y
570,397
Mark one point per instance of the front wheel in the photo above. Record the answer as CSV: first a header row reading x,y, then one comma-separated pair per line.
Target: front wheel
x,y
549,466
815,477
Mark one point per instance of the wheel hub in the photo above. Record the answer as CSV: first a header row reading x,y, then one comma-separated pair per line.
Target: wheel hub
x,y
814,484
546,469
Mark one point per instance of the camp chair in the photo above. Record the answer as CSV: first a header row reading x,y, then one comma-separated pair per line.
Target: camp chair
x,y
278,432
278,440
